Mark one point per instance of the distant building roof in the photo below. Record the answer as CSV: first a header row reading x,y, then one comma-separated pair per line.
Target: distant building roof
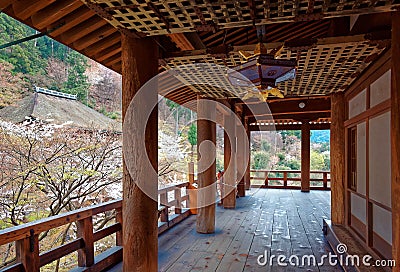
x,y
57,110
55,93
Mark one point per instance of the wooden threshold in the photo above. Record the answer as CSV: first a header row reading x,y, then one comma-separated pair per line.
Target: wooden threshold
x,y
339,234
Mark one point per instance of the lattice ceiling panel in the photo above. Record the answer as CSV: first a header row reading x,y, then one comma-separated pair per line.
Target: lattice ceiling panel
x,y
322,69
207,76
172,16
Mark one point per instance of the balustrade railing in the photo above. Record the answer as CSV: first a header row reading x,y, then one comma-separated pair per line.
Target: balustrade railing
x,y
173,203
289,179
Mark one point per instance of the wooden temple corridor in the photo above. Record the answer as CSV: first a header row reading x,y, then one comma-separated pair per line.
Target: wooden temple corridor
x,y
283,222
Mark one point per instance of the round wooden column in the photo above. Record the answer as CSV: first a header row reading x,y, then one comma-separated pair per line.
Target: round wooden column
x,y
241,163
140,229
337,158
229,198
305,156
206,167
247,174
395,139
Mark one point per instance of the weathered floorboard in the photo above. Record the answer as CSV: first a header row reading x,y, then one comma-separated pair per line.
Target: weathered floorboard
x,y
270,221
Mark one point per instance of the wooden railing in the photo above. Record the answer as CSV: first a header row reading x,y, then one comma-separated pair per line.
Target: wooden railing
x,y
26,236
171,205
288,179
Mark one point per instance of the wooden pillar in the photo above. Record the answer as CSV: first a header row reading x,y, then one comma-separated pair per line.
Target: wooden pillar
x,y
241,163
229,197
395,139
337,158
206,140
247,174
140,233
240,147
305,156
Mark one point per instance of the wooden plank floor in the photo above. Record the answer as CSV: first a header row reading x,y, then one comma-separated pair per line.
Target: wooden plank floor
x,y
271,221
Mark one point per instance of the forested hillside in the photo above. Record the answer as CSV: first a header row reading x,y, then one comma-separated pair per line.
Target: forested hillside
x,y
46,63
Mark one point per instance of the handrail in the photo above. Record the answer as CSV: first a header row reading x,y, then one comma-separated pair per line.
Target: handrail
x,y
26,236
289,171
285,179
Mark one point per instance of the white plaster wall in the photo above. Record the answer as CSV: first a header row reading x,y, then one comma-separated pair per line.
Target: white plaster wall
x,y
357,104
379,159
382,223
380,89
358,207
361,158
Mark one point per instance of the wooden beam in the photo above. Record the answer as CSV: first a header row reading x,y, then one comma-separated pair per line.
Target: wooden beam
x,y
292,45
5,3
338,143
112,60
103,44
23,9
323,126
291,113
290,107
108,52
83,29
206,140
305,157
195,40
229,178
71,20
298,117
54,12
395,139
181,41
140,210
94,37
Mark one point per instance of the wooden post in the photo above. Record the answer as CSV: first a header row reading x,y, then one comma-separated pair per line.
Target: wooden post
x,y
325,180
337,158
192,191
27,251
140,211
247,174
178,198
229,197
240,160
305,156
206,140
285,179
266,181
164,202
85,231
191,173
395,139
119,235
